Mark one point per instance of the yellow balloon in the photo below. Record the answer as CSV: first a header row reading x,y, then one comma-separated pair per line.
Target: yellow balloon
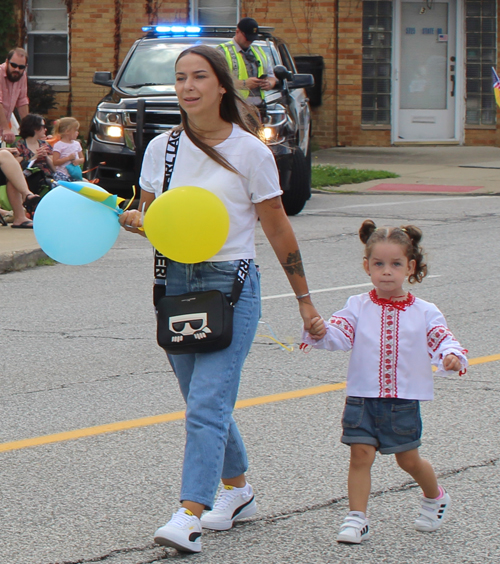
x,y
187,224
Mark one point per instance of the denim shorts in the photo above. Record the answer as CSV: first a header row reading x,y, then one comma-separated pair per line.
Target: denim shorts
x,y
391,425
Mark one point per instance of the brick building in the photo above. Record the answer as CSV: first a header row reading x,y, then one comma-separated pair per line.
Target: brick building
x,y
395,71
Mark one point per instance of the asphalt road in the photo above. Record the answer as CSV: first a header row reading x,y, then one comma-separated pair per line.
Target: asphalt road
x,y
78,351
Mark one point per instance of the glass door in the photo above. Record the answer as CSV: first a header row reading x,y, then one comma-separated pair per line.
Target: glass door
x,y
426,71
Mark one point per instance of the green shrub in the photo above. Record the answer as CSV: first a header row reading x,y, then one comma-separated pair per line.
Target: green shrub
x,y
42,97
7,28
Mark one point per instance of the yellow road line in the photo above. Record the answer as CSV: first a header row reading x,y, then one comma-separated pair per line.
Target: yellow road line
x,y
483,359
177,415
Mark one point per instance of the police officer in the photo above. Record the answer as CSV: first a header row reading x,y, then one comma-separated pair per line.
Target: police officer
x,y
250,66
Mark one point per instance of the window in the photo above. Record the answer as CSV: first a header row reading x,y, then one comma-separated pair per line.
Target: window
x,y
377,53
47,39
480,27
209,12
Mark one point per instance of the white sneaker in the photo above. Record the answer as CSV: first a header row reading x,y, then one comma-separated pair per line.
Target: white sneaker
x,y
354,530
432,513
231,505
182,532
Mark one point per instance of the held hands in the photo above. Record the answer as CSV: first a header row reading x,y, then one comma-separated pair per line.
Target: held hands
x,y
312,319
451,362
317,329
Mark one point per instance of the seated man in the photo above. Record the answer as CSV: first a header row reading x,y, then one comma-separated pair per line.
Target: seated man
x,y
14,192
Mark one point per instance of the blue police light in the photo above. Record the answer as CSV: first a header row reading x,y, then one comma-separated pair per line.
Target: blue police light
x,y
173,29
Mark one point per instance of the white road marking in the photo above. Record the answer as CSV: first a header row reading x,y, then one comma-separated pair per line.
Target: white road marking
x,y
334,289
382,204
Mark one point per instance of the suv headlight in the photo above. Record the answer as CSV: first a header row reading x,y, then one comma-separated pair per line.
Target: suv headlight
x,y
110,127
274,124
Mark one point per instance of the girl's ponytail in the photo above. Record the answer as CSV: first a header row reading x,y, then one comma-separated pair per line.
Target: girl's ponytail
x,y
365,231
57,122
417,253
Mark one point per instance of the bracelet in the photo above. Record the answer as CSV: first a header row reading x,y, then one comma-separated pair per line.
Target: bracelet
x,y
244,84
303,296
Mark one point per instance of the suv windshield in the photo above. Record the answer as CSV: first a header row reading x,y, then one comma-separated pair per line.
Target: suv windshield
x,y
150,69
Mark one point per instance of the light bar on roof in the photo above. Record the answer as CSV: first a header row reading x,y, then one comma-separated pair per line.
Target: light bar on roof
x,y
172,29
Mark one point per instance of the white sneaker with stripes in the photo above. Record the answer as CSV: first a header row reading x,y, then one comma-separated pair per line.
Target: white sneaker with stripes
x,y
182,532
231,504
433,513
354,530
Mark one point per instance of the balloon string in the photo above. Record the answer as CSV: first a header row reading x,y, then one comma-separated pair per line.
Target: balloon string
x,y
289,349
131,199
274,337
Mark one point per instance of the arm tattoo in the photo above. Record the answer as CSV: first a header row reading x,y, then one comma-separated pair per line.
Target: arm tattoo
x,y
293,264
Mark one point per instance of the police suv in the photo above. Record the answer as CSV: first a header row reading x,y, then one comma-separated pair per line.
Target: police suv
x,y
142,104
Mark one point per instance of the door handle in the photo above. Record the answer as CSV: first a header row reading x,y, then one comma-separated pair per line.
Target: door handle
x,y
452,78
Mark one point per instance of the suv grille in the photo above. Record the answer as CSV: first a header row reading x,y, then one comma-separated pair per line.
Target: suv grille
x,y
158,117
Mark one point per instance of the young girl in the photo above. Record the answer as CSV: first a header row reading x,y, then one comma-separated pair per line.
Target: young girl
x,y
68,150
394,338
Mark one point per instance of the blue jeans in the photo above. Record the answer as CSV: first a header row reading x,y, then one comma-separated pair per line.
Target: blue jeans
x,y
209,382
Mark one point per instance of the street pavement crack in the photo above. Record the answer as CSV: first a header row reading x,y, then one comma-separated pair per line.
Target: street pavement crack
x,y
274,518
86,382
111,554
395,489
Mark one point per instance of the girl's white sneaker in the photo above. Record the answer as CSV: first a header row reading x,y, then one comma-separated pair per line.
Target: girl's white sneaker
x,y
432,513
354,530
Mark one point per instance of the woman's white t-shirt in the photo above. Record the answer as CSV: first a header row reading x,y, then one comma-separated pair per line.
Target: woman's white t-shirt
x,y
258,180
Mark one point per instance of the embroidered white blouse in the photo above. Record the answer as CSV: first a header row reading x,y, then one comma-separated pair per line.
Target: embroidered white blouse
x,y
394,345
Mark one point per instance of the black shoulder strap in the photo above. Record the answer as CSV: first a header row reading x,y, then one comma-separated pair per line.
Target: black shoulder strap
x,y
239,280
161,260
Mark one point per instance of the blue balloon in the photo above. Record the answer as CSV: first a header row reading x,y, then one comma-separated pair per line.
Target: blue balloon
x,y
72,229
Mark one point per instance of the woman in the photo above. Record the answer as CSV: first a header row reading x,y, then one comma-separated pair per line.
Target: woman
x,y
213,153
33,146
14,192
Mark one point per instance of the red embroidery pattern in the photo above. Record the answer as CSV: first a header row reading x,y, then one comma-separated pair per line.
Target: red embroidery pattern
x,y
398,304
389,339
344,326
437,335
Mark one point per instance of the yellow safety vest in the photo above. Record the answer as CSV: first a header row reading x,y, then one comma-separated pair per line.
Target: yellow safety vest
x,y
235,62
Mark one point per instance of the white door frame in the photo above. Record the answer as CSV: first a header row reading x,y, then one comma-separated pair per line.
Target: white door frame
x,y
459,135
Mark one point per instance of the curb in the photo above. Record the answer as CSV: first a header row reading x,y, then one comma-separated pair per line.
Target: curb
x,y
19,260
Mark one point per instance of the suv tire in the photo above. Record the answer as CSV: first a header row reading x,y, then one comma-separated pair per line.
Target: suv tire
x,y
296,197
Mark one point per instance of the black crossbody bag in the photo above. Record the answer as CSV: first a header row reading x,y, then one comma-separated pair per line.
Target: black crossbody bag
x,y
195,322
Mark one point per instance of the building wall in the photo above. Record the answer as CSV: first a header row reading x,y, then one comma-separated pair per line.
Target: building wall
x,y
101,34
103,31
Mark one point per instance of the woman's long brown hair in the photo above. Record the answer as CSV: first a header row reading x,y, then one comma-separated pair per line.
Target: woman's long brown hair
x,y
233,109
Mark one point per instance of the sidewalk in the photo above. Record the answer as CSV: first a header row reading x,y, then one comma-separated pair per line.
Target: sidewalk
x,y
18,249
422,169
